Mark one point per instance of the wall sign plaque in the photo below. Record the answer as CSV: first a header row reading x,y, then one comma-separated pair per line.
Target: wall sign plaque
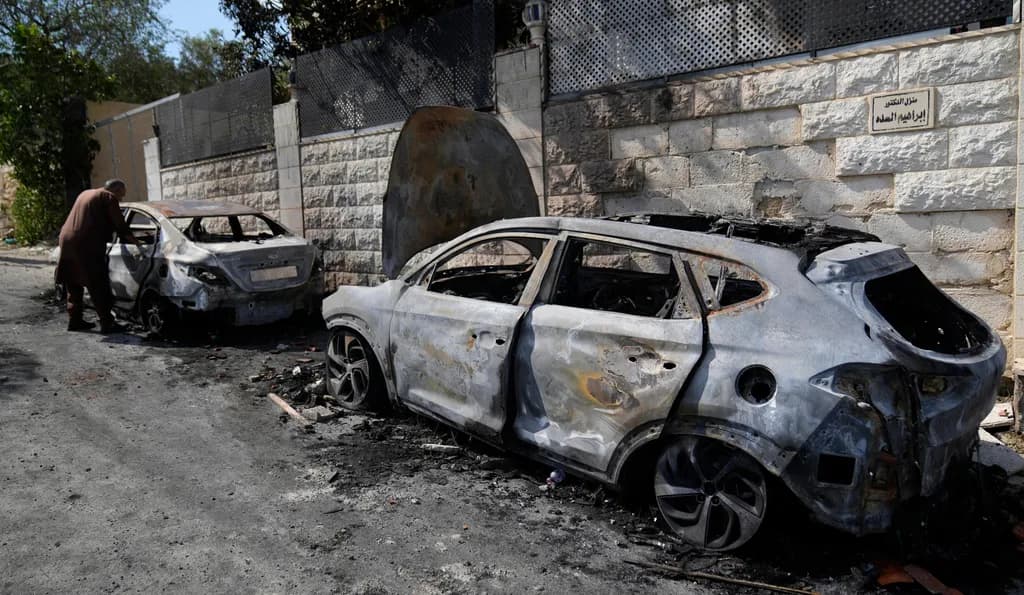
x,y
906,110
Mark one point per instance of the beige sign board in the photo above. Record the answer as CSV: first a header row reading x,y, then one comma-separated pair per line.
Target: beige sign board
x,y
906,110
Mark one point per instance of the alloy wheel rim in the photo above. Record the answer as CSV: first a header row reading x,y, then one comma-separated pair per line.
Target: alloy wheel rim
x,y
712,495
348,368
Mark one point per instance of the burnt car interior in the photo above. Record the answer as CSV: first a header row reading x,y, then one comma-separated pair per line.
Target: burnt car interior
x,y
808,239
930,320
143,227
616,278
233,228
494,270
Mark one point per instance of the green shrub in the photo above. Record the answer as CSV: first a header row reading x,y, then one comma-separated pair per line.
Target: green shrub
x,y
36,216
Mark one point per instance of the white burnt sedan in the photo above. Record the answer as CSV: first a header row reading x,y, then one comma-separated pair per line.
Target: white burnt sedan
x,y
221,263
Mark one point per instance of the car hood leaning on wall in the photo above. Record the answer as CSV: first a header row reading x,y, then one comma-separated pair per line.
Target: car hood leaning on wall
x,y
453,169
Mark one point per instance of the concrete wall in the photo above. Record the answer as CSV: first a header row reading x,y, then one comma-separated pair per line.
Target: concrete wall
x,y
791,140
247,178
344,180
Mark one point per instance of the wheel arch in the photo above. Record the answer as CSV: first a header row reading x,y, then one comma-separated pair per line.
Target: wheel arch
x,y
772,457
360,327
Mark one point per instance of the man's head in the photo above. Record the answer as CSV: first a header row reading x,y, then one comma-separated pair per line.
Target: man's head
x,y
116,187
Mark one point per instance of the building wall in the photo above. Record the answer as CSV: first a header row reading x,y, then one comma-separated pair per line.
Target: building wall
x,y
791,140
344,180
246,178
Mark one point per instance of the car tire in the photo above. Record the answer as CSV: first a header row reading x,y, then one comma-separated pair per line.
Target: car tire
x,y
157,314
354,377
712,495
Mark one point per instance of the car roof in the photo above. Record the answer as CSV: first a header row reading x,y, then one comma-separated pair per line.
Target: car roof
x,y
731,238
193,208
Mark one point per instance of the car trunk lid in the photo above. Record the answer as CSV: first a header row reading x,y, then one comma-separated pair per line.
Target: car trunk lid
x,y
453,169
272,264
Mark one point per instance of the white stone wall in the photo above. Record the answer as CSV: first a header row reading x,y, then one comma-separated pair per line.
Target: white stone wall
x,y
792,141
248,179
518,94
343,185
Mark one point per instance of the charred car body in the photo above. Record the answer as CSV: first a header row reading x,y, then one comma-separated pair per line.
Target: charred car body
x,y
732,351
224,262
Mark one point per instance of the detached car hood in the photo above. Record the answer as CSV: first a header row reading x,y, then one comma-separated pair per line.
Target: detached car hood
x,y
453,169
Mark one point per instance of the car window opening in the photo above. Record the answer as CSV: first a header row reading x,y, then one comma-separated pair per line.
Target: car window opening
x,y
233,228
614,278
922,314
494,270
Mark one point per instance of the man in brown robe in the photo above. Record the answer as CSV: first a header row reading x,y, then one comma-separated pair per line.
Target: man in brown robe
x,y
94,218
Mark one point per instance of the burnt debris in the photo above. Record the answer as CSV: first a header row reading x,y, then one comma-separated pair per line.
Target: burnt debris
x,y
806,238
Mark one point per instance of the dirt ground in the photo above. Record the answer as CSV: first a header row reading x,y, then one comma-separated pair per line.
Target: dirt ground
x,y
138,465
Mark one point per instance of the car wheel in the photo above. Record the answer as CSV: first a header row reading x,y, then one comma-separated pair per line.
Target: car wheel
x,y
353,376
156,314
712,495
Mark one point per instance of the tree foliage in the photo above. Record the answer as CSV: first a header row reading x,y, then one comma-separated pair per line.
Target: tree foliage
x,y
209,59
43,132
274,31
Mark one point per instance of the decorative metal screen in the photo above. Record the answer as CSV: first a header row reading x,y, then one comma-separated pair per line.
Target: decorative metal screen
x,y
600,43
226,118
442,60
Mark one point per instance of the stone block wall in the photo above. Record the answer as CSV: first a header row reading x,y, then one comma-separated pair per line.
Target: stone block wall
x,y
344,180
248,179
792,141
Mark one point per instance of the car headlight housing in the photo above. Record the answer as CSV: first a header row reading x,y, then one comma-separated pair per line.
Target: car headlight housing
x,y
208,275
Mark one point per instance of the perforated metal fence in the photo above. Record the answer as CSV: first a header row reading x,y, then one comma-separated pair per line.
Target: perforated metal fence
x,y
442,60
601,43
226,118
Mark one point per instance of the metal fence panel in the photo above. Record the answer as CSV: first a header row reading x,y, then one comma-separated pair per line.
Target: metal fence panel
x,y
601,43
443,60
233,116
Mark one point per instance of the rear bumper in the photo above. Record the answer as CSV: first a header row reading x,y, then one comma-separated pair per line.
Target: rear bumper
x,y
240,308
886,443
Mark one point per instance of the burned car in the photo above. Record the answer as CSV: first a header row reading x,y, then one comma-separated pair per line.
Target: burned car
x,y
728,352
225,263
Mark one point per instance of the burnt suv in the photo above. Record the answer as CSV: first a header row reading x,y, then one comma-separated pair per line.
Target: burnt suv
x,y
730,351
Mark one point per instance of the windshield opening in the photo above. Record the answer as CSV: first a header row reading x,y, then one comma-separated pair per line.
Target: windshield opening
x,y
229,228
923,315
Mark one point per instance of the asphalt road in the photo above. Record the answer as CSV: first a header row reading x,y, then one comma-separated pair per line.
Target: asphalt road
x,y
131,465
138,466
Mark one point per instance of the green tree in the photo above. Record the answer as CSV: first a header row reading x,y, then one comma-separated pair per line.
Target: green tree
x,y
43,131
208,59
124,37
276,30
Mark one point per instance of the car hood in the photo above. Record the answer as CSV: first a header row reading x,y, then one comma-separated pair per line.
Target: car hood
x,y
453,169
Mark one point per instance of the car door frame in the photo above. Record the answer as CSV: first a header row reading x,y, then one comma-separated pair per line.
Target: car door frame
x,y
419,282
645,432
115,257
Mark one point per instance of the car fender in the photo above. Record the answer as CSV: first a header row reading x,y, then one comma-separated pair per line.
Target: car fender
x,y
768,454
379,348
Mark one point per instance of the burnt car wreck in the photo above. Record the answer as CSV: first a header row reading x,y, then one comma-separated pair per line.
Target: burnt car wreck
x,y
222,263
728,351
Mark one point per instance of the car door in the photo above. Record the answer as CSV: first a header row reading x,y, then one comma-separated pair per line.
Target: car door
x,y
452,334
608,352
129,264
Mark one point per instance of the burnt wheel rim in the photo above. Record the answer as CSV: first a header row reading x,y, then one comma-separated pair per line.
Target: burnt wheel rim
x,y
348,368
154,316
712,495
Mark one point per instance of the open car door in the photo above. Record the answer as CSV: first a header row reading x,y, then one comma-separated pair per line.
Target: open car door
x,y
129,264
